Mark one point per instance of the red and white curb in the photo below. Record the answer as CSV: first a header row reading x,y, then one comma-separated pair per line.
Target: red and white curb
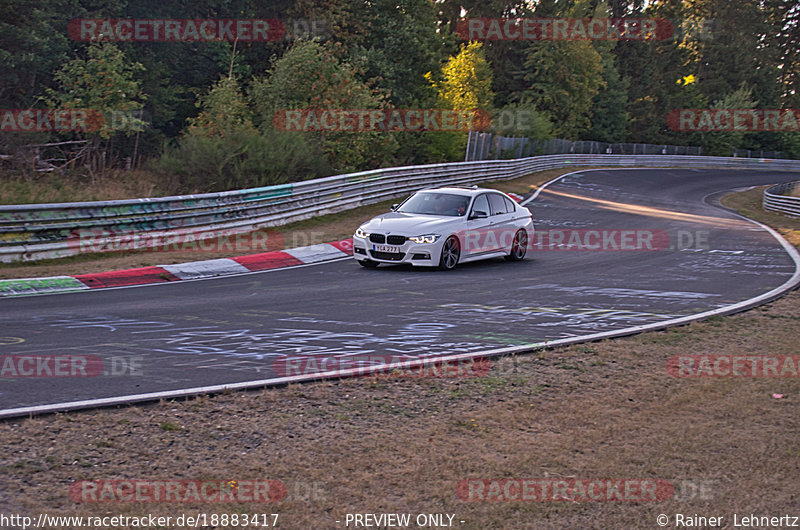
x,y
182,271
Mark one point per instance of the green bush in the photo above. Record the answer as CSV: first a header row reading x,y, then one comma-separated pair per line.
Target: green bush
x,y
240,159
445,146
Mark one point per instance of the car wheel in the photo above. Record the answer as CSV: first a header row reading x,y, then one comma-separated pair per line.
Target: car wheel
x,y
519,247
368,263
451,252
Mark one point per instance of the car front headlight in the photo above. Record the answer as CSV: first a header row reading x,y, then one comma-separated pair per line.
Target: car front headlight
x,y
360,233
427,238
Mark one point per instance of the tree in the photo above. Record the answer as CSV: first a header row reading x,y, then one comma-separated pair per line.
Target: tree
x,y
609,112
398,44
466,82
105,83
223,110
652,69
522,120
563,79
310,76
221,149
722,143
34,44
610,106
736,51
784,38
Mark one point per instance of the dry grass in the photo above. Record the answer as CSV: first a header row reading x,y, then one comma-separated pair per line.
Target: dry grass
x,y
47,188
319,229
748,203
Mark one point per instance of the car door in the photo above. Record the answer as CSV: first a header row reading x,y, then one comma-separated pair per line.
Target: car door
x,y
480,237
502,218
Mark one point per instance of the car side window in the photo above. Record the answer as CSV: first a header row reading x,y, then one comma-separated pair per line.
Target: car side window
x,y
481,204
497,203
510,207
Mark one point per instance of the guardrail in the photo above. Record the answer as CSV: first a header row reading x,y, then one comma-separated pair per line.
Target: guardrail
x,y
777,200
38,231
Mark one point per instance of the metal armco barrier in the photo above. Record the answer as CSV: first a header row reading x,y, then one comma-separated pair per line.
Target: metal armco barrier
x,y
777,200
38,231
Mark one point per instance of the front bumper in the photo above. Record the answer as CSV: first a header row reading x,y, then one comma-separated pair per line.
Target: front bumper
x,y
421,254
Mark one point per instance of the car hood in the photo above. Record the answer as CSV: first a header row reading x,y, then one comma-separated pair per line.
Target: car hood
x,y
408,224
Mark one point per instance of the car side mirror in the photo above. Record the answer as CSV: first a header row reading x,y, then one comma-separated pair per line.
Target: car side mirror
x,y
394,207
479,214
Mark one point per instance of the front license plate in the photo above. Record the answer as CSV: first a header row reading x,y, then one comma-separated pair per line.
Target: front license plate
x,y
386,248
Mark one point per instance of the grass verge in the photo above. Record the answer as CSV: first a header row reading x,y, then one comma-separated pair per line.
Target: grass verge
x,y
748,203
51,187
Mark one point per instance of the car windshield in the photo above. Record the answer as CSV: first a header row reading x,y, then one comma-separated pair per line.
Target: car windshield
x,y
434,203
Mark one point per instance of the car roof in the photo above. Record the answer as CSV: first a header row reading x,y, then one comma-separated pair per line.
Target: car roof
x,y
468,192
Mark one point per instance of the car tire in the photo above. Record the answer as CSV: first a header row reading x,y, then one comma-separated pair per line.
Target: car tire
x,y
368,263
451,253
519,247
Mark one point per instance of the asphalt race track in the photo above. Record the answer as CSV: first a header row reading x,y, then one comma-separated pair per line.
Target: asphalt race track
x,y
233,329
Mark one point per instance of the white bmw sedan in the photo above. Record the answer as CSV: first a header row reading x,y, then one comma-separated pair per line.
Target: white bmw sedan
x,y
443,227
